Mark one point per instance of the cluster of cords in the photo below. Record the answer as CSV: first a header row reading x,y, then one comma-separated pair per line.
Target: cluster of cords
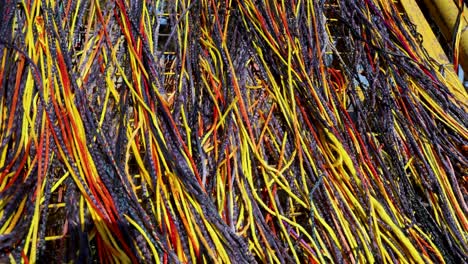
x,y
251,131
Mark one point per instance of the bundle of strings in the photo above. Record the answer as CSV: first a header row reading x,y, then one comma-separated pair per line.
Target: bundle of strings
x,y
233,131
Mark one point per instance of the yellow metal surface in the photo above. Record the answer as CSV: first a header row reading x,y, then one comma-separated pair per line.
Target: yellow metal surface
x,y
432,46
444,13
